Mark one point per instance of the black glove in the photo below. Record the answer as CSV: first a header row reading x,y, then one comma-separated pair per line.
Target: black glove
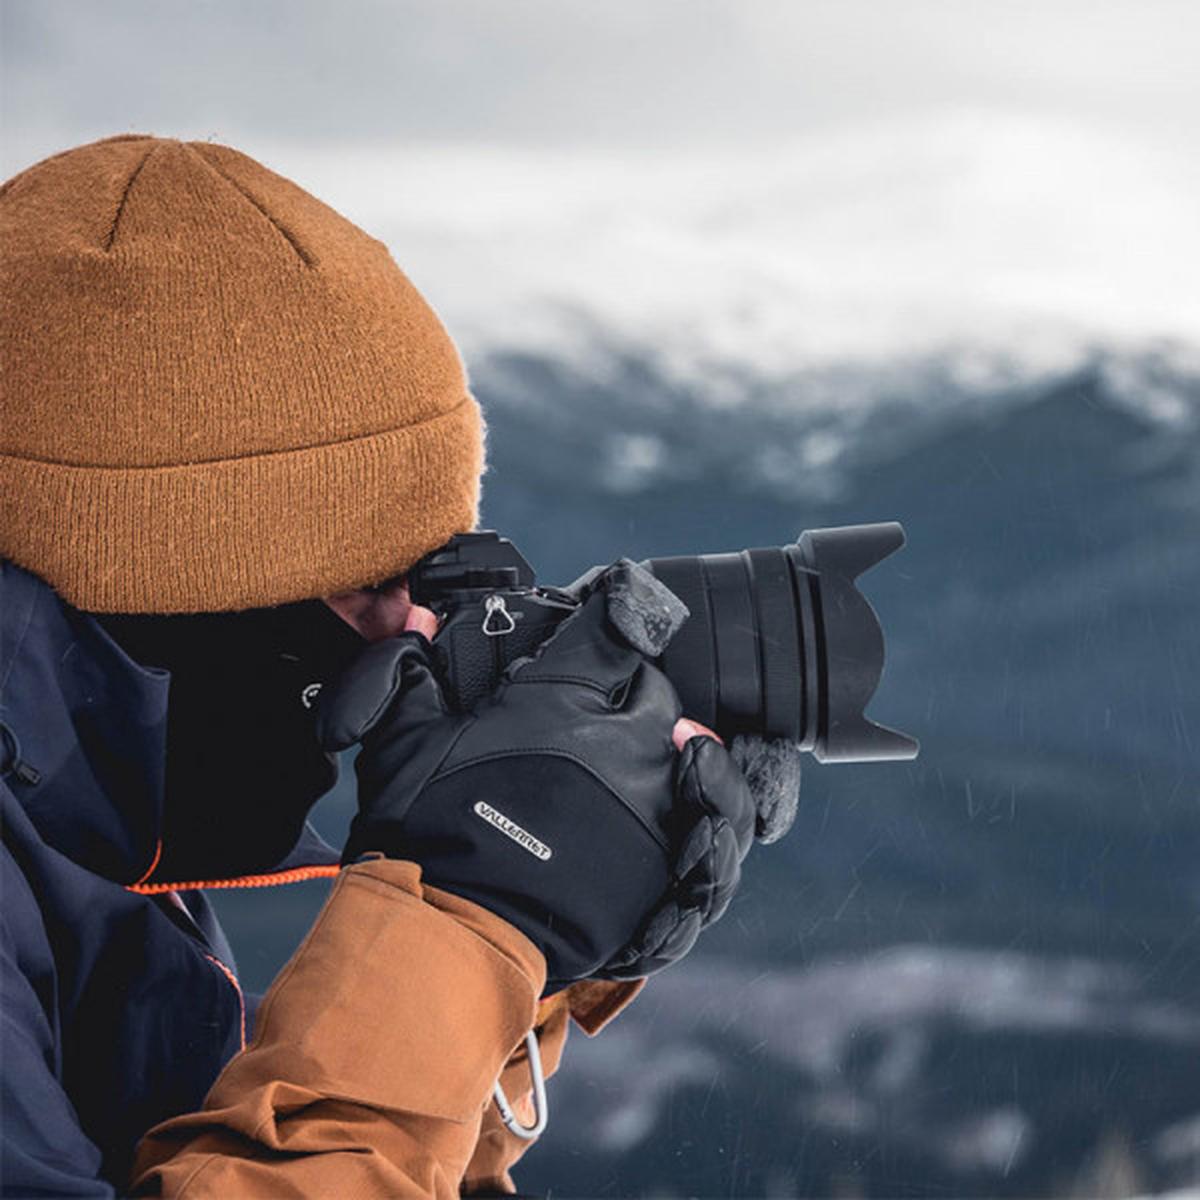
x,y
560,803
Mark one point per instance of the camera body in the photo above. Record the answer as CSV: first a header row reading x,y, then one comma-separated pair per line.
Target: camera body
x,y
779,642
492,613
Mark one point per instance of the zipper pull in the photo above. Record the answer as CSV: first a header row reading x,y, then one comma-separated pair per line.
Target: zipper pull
x,y
11,762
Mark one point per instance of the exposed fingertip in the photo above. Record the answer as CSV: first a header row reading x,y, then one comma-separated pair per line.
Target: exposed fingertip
x,y
683,732
686,729
421,620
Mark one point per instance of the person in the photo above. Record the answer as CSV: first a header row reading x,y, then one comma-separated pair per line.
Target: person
x,y
230,425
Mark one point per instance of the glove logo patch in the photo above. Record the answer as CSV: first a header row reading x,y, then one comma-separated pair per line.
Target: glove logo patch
x,y
511,829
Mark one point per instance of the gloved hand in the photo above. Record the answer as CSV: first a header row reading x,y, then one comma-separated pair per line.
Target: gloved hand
x,y
560,803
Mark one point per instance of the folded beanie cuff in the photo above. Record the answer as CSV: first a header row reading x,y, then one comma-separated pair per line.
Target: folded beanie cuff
x,y
244,532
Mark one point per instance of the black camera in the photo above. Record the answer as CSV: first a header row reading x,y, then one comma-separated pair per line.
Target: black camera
x,y
779,643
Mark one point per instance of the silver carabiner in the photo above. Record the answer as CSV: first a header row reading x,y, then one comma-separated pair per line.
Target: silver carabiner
x,y
541,1113
497,620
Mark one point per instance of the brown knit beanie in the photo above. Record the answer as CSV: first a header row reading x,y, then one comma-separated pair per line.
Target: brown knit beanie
x,y
217,392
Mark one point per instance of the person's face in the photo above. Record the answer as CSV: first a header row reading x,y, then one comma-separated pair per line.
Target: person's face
x,y
242,752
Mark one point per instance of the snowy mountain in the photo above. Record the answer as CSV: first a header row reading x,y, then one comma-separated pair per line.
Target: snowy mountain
x,y
975,973
1044,599
977,324
971,973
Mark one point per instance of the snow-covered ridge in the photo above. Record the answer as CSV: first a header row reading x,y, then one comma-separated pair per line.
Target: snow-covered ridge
x,y
1026,238
622,420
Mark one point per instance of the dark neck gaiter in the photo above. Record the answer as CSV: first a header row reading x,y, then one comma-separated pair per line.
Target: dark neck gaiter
x,y
243,763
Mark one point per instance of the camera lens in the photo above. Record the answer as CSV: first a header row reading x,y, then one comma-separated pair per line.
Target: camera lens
x,y
781,643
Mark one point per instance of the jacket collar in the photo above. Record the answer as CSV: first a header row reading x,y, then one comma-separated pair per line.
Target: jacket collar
x,y
90,721
93,725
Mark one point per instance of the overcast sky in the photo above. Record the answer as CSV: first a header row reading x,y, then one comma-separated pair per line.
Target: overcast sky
x,y
651,72
796,178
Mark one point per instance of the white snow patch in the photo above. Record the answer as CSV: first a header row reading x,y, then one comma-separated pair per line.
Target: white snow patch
x,y
1028,239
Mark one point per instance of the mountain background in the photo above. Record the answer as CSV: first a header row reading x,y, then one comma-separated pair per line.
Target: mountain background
x,y
726,271
977,973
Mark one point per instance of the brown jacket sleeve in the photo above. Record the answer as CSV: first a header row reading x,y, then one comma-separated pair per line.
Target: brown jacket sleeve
x,y
591,1005
374,1056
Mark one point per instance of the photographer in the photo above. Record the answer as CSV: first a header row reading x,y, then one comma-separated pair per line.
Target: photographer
x,y
228,417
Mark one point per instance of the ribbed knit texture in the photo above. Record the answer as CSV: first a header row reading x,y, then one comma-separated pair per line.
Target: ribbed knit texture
x,y
217,392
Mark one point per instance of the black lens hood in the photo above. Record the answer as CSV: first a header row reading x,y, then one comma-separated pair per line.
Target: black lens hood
x,y
841,677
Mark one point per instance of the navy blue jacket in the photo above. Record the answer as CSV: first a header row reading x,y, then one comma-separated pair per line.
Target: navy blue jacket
x,y
117,1010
